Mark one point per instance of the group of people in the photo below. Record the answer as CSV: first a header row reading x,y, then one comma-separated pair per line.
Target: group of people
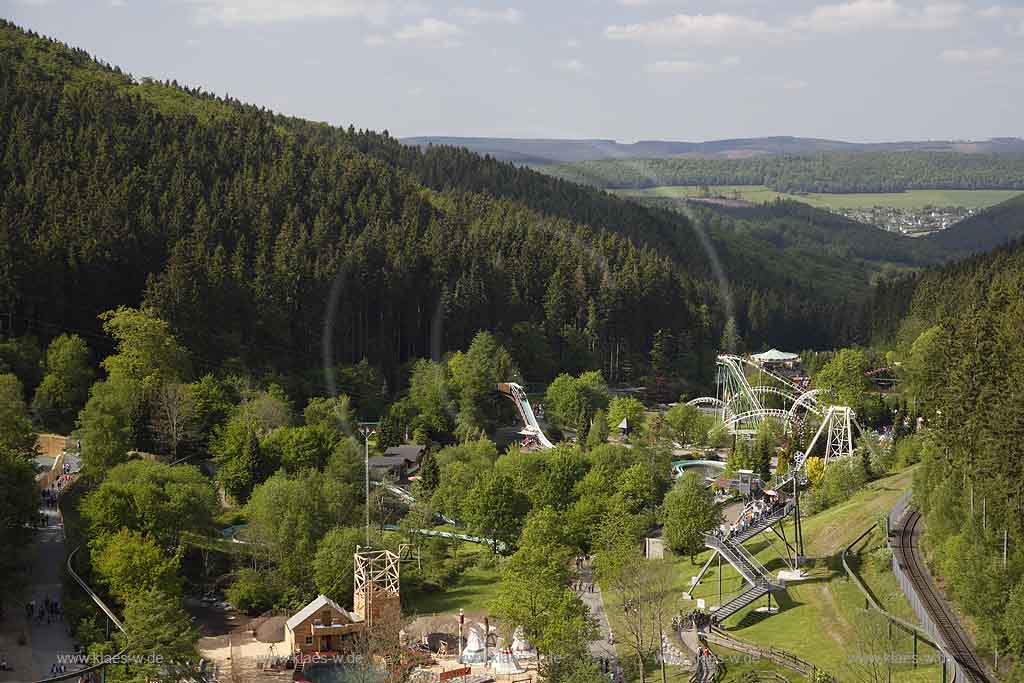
x,y
49,610
696,619
756,513
605,665
579,585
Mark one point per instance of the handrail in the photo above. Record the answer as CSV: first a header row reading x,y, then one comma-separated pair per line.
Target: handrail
x,y
905,625
726,547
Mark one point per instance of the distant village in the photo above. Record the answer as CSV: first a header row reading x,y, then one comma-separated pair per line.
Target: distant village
x,y
912,222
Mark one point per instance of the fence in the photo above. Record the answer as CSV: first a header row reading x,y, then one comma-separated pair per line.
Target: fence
x,y
780,657
915,600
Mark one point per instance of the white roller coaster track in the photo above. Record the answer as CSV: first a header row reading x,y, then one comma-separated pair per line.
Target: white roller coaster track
x,y
737,388
741,404
518,395
708,401
808,401
739,361
784,393
758,415
760,391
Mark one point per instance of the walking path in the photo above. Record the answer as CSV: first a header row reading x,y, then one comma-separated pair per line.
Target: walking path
x,y
602,647
48,636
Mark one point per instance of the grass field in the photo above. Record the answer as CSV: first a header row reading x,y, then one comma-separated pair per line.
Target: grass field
x,y
822,619
473,590
912,199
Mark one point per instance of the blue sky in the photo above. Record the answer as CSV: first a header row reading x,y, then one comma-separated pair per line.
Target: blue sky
x,y
864,70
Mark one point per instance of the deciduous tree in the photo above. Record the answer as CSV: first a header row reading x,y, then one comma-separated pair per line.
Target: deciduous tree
x,y
65,386
689,512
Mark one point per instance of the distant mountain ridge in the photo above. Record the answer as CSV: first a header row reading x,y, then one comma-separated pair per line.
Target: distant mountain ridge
x,y
544,151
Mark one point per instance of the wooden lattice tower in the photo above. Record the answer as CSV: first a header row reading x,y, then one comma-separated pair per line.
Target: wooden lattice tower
x,y
377,581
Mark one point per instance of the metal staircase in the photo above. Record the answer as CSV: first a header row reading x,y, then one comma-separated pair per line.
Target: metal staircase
x,y
748,567
740,601
736,555
761,525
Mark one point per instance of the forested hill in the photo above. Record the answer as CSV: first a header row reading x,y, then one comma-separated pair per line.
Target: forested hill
x,y
953,292
824,172
983,231
240,226
961,353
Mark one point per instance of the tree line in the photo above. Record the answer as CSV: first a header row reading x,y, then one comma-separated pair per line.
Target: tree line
x,y
829,172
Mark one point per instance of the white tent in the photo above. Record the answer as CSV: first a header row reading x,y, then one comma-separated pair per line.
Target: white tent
x,y
774,356
521,647
473,653
504,662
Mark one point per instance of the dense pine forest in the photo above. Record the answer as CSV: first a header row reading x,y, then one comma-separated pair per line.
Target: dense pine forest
x,y
239,226
836,172
957,330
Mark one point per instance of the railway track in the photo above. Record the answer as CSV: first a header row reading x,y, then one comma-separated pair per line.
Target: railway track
x,y
946,623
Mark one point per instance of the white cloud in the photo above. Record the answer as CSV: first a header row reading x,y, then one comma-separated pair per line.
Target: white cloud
x,y
881,14
238,12
414,92
678,67
513,69
573,65
707,28
732,60
429,31
475,15
1001,12
794,84
987,56
938,16
572,43
118,3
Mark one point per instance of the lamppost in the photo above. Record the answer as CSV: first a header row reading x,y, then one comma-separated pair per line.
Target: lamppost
x,y
367,429
462,620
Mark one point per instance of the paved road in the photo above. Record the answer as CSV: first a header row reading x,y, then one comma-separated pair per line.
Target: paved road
x,y
595,603
48,639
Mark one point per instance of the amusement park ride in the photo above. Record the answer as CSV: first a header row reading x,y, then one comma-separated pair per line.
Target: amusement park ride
x,y
743,405
748,394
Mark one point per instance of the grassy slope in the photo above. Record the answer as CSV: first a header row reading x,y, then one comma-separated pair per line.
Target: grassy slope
x,y
473,590
912,199
822,619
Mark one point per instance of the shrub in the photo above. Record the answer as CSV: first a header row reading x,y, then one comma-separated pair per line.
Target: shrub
x,y
253,592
